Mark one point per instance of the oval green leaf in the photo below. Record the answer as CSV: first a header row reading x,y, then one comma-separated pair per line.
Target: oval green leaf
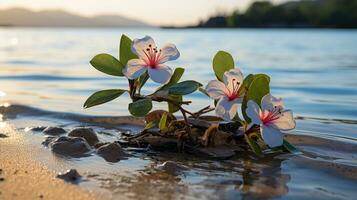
x,y
162,123
107,64
222,62
258,88
172,107
125,53
176,76
289,147
140,108
184,88
254,146
102,96
142,80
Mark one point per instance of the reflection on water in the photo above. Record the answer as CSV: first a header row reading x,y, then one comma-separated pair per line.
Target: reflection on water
x,y
326,168
315,71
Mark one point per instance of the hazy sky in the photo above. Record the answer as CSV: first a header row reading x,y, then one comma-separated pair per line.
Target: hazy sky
x,y
157,12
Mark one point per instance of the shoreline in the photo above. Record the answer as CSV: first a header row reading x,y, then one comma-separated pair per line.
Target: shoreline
x,y
21,177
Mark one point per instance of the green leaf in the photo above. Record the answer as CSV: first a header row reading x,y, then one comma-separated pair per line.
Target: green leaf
x,y
162,123
289,147
150,125
253,145
173,108
107,64
176,76
247,81
142,80
258,88
222,62
103,96
140,108
203,91
125,53
184,88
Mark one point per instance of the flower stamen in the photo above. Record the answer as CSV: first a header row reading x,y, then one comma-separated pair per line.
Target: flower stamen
x,y
268,117
234,93
152,56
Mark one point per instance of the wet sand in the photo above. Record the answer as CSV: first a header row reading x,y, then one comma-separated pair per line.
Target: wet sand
x,y
23,178
324,169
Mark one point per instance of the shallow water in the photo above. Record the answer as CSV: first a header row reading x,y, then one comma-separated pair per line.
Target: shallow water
x,y
313,70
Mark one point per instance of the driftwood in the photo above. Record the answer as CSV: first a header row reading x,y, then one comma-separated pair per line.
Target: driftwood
x,y
209,137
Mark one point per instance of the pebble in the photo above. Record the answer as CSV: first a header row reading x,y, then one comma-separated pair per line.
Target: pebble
x,y
71,175
3,135
48,140
99,144
54,131
112,152
172,167
37,128
70,146
87,133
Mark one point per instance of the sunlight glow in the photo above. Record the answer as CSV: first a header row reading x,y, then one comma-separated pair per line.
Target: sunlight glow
x,y
158,12
2,94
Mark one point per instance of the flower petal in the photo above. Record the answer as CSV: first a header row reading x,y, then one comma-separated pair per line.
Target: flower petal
x,y
168,52
269,101
160,74
271,136
286,121
139,46
216,89
226,109
134,68
233,74
253,111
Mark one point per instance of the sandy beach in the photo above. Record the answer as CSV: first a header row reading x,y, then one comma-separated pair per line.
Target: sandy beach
x,y
23,178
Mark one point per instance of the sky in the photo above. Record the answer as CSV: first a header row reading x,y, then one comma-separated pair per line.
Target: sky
x,y
155,12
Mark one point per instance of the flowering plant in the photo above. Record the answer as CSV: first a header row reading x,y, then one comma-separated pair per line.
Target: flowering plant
x,y
264,116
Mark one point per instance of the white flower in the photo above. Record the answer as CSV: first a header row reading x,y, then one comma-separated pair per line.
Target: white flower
x,y
228,94
272,119
152,59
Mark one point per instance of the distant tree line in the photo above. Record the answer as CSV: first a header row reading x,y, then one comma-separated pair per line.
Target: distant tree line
x,y
294,14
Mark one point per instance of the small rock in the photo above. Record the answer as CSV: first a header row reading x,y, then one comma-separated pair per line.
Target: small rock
x,y
37,128
53,131
3,135
99,144
172,168
161,143
86,133
70,176
112,152
48,140
70,146
2,179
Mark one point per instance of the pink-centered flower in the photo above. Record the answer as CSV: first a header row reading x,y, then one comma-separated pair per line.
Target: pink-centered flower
x,y
272,119
151,59
229,94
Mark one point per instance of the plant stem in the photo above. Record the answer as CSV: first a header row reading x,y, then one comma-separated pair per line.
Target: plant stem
x,y
188,127
179,105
